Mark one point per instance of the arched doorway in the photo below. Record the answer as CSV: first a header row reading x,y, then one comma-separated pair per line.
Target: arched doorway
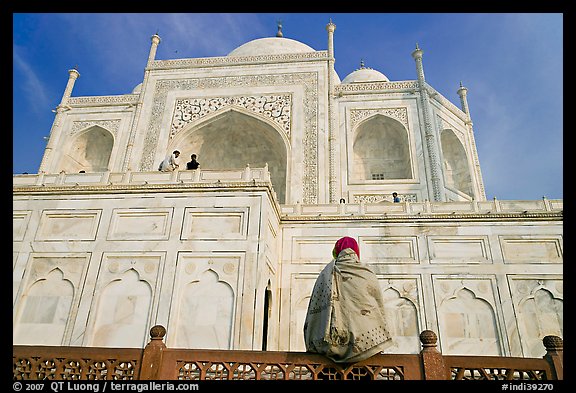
x,y
456,169
232,140
89,151
381,150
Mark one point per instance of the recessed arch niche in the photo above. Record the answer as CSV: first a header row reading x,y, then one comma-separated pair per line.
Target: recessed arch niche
x,y
381,150
456,169
232,140
88,151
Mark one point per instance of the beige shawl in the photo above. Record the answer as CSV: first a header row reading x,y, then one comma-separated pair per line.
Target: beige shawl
x,y
345,319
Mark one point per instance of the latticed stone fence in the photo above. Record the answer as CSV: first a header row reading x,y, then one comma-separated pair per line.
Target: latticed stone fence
x,y
157,362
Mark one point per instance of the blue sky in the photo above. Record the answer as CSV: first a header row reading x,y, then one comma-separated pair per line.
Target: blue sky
x,y
511,63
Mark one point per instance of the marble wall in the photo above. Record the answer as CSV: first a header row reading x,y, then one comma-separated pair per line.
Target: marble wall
x,y
221,265
459,279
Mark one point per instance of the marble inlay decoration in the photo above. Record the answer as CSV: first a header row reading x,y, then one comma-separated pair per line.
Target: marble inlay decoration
x,y
400,114
274,107
110,125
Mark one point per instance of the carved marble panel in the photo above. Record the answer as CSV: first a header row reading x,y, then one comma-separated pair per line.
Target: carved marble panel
x,y
404,315
532,249
316,249
205,301
400,114
68,225
466,309
20,221
215,223
459,249
377,198
276,108
46,307
140,224
389,249
539,308
123,299
111,125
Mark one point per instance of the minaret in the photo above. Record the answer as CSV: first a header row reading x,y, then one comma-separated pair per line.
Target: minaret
x,y
126,165
478,182
429,132
462,91
73,74
332,125
330,28
153,48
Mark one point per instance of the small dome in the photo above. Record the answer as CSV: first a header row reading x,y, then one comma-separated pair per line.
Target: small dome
x,y
137,89
364,74
270,46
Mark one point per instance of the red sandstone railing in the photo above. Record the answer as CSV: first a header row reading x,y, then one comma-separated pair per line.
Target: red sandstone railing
x,y
157,362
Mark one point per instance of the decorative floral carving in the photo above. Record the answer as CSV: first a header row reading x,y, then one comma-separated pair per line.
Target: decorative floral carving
x,y
275,107
110,125
104,100
400,114
236,60
376,86
376,198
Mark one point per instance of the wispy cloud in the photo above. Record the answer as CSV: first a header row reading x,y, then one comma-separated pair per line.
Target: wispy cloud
x,y
207,34
34,89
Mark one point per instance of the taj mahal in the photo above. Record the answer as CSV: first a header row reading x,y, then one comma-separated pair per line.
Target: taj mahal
x,y
292,157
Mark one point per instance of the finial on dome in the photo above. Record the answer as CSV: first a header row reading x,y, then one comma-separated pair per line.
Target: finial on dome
x,y
362,63
279,24
417,47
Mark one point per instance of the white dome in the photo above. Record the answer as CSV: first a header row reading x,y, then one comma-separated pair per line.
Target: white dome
x,y
137,89
270,46
365,75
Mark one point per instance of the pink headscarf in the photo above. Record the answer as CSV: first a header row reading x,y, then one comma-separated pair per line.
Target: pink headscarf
x,y
345,242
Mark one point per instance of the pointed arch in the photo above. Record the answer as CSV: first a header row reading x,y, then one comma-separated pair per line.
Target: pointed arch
x,y
232,139
468,325
45,309
540,315
456,169
381,150
206,313
88,151
402,319
122,313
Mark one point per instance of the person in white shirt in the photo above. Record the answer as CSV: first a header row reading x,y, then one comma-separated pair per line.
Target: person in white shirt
x,y
169,164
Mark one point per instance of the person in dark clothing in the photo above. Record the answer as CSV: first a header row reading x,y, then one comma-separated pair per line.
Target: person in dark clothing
x,y
192,164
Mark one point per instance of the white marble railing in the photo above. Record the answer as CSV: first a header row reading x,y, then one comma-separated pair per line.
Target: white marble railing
x,y
416,208
139,178
263,175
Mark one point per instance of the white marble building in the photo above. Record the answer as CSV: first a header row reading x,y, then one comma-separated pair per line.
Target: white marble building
x,y
225,256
